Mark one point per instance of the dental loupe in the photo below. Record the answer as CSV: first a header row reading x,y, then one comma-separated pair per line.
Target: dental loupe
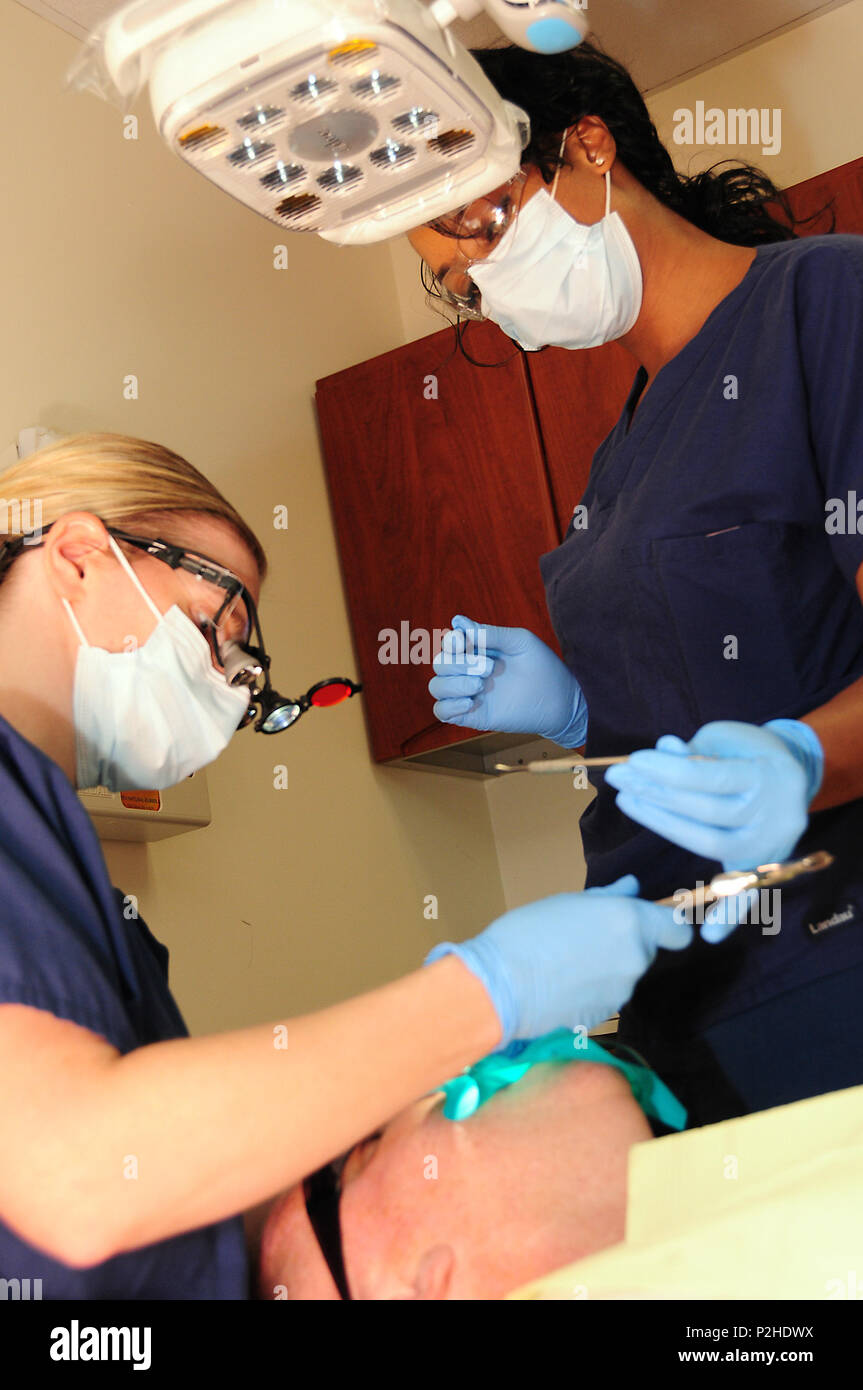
x,y
354,119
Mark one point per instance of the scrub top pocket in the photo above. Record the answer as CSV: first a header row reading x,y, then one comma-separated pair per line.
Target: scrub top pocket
x,y
733,601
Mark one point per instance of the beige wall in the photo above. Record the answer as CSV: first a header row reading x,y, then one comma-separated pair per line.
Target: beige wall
x,y
118,259
812,73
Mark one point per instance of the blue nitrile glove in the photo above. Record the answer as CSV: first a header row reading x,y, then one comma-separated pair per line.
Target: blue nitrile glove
x,y
505,680
727,914
568,961
746,808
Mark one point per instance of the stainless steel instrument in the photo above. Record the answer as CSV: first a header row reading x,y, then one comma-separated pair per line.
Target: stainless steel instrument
x,y
574,762
570,764
734,881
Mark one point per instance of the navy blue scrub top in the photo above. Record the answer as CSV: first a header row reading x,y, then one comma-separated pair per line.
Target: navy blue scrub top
x,y
706,521
69,944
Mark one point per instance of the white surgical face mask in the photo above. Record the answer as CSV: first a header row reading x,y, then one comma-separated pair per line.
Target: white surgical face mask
x,y
150,717
554,281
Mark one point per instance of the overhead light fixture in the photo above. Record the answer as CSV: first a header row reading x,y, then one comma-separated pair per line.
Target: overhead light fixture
x,y
354,119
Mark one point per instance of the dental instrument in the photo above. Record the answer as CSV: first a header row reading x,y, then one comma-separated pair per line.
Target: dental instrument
x,y
571,764
734,881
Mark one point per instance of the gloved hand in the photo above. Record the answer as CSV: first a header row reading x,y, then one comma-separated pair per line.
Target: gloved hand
x,y
570,960
725,916
504,679
747,807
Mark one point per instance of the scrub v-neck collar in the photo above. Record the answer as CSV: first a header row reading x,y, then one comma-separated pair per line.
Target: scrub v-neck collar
x,y
667,381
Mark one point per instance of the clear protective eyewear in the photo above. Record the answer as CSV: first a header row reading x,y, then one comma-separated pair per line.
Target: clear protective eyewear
x,y
477,229
226,614
229,632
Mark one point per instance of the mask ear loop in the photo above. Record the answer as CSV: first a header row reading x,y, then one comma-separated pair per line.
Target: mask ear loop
x,y
157,613
560,166
135,580
560,156
77,626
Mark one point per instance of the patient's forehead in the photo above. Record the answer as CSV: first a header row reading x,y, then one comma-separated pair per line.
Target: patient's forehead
x,y
423,1157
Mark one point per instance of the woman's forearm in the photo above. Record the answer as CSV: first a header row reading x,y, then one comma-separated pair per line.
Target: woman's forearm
x,y
210,1126
839,726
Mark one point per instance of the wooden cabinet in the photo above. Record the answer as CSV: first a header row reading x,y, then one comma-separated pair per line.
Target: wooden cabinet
x,y
448,481
442,505
841,187
578,397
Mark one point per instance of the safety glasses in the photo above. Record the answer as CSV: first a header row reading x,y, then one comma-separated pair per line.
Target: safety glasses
x,y
478,229
216,586
229,631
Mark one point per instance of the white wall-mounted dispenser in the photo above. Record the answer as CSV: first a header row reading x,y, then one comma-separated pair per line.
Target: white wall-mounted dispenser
x,y
149,815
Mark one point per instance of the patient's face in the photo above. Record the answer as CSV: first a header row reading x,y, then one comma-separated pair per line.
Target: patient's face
x,y
535,1179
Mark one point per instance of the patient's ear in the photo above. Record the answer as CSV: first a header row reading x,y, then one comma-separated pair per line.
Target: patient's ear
x,y
434,1272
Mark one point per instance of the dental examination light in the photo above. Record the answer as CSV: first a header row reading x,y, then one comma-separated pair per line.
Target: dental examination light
x,y
355,119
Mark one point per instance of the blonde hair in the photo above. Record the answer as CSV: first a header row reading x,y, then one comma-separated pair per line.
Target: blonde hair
x,y
127,482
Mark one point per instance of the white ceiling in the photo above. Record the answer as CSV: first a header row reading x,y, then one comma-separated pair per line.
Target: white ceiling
x,y
660,41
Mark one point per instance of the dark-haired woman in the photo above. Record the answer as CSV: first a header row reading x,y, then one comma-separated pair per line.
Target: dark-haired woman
x,y
719,576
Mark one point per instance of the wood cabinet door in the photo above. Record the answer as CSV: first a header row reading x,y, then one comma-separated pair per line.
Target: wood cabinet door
x,y
441,506
842,186
578,397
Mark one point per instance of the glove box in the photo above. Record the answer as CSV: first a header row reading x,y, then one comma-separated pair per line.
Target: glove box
x,y
149,815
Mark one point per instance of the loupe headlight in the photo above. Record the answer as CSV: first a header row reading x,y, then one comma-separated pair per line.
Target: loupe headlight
x,y
248,668
275,712
243,668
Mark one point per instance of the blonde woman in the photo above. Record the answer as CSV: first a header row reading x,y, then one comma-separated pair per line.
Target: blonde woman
x,y
119,618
